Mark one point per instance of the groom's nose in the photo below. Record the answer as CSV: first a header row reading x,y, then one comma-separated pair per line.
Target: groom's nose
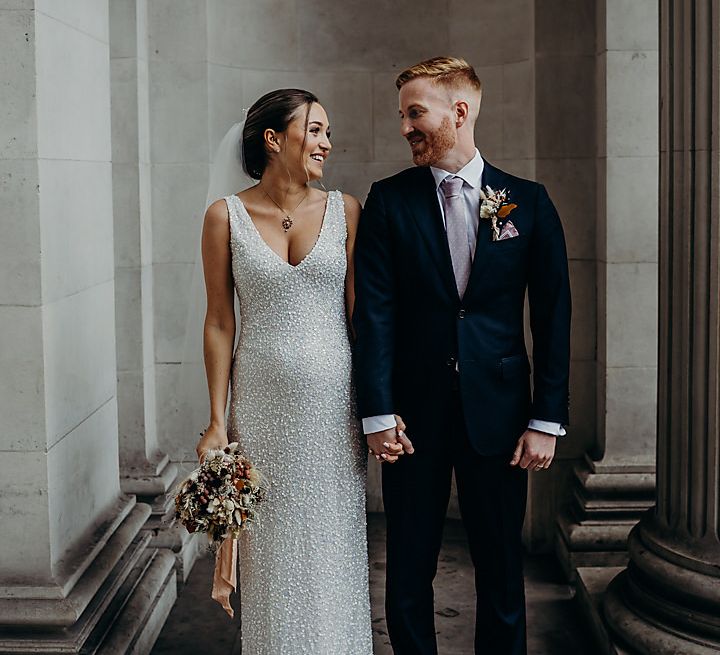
x,y
405,126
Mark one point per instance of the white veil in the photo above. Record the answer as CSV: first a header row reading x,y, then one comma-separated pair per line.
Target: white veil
x,y
227,176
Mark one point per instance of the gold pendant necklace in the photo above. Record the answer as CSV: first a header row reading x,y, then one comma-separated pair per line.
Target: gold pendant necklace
x,y
287,222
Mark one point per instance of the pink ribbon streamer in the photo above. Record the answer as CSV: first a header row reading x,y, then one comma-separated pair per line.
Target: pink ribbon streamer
x,y
225,576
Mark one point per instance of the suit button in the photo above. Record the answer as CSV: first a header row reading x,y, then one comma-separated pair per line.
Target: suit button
x,y
461,313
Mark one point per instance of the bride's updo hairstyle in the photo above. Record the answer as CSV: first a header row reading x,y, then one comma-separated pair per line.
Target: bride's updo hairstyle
x,y
274,111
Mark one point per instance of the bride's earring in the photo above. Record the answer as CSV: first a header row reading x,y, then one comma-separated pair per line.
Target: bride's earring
x,y
273,140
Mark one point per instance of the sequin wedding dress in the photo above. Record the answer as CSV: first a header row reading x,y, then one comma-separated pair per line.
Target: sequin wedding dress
x,y
303,564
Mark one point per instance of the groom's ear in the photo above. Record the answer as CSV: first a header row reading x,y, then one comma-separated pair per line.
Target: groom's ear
x,y
462,113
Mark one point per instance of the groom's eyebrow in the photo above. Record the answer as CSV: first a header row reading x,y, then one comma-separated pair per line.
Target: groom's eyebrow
x,y
414,106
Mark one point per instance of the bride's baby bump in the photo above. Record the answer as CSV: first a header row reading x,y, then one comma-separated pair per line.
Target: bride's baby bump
x,y
305,361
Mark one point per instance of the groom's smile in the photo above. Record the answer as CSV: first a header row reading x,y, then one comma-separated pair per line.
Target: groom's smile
x,y
415,139
431,146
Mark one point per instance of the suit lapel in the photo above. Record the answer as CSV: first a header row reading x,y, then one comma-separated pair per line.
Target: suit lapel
x,y
496,179
425,209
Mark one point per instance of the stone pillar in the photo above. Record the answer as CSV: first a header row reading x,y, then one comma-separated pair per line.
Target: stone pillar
x,y
668,599
75,571
613,483
145,469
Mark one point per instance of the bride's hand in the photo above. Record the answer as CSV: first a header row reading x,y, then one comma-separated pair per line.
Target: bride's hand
x,y
214,438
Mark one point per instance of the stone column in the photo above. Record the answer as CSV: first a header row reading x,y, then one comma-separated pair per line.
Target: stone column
x,y
145,468
75,571
668,599
614,482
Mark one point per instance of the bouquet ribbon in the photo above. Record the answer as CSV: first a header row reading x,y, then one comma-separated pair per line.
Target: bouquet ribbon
x,y
225,576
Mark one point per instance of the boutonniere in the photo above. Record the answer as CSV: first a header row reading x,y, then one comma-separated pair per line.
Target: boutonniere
x,y
494,205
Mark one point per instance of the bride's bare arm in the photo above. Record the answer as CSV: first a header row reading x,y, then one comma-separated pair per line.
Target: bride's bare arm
x,y
352,217
219,329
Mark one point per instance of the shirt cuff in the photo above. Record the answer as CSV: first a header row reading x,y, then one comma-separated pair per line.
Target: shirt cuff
x,y
378,423
549,427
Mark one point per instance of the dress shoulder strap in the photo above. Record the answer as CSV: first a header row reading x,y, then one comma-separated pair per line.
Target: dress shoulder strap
x,y
336,209
233,205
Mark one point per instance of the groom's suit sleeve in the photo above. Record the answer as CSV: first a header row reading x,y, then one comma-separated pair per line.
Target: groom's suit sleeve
x,y
374,314
550,308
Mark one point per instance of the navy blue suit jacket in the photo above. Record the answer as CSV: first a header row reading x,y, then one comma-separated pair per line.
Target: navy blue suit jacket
x,y
412,327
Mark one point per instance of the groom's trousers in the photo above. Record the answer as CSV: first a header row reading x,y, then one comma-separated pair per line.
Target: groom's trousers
x,y
492,499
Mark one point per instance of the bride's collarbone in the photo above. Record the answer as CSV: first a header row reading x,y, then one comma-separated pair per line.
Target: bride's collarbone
x,y
296,243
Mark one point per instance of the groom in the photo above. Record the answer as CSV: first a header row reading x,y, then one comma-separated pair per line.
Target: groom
x,y
442,267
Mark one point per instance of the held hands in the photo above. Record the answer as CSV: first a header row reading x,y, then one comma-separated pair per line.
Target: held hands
x,y
390,444
214,438
534,451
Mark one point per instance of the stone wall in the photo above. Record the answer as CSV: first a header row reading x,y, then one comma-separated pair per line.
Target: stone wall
x,y
565,119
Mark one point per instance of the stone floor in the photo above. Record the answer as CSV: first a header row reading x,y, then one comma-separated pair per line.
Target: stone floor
x,y
198,625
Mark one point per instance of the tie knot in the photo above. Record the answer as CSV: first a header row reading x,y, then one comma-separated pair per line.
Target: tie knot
x,y
451,186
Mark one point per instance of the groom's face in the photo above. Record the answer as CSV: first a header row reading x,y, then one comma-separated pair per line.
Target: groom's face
x,y
426,121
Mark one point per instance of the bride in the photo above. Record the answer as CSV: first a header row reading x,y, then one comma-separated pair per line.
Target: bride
x,y
286,249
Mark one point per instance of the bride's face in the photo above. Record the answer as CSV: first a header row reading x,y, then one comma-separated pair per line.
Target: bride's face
x,y
307,143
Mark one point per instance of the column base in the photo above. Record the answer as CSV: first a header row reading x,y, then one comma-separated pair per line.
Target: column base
x,y
668,599
155,485
606,504
149,479
600,600
118,605
167,532
644,636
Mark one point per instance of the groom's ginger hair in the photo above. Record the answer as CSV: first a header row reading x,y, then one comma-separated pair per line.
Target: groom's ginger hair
x,y
453,73
449,71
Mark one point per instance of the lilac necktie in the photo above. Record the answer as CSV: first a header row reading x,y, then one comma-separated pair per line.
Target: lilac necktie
x,y
456,227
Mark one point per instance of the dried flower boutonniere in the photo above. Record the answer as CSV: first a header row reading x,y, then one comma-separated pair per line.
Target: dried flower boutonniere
x,y
494,206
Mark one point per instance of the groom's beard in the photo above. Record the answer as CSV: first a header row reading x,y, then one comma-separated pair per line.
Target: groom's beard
x,y
435,146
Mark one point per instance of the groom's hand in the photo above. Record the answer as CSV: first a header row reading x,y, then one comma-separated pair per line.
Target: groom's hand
x,y
534,451
384,445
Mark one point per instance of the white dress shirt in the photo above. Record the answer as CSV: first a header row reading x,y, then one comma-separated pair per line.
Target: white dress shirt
x,y
471,175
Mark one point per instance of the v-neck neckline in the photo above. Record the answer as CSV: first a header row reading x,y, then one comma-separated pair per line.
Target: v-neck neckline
x,y
267,245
